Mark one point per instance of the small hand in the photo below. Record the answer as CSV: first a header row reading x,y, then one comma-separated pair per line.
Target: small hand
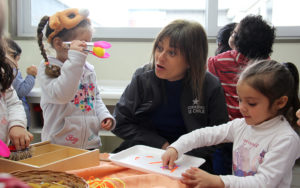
x,y
169,157
20,137
195,177
32,70
79,46
107,124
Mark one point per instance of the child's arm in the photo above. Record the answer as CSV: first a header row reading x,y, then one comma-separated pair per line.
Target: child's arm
x,y
195,177
108,122
16,120
23,86
61,90
207,136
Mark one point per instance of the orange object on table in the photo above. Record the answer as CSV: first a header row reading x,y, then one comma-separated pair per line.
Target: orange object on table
x,y
132,178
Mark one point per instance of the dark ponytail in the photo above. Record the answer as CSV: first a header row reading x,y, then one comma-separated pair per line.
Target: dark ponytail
x,y
294,102
52,71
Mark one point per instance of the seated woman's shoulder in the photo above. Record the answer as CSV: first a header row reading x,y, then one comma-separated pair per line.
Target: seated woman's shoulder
x,y
145,68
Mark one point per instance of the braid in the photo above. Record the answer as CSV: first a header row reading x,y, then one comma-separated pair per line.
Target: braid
x,y
40,35
51,70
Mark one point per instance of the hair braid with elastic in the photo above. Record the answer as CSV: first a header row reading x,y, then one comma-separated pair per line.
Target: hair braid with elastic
x,y
50,70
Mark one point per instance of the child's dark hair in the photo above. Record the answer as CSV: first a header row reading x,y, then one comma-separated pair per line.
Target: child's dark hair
x,y
223,37
65,34
6,67
275,80
14,49
254,37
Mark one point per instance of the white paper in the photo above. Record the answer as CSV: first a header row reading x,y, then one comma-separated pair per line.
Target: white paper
x,y
148,159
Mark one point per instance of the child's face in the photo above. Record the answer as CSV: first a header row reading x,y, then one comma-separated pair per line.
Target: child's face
x,y
253,105
231,38
170,64
82,34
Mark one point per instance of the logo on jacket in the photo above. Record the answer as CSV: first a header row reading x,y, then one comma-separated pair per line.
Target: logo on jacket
x,y
196,108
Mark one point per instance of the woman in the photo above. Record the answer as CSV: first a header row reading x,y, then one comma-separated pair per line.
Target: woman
x,y
173,95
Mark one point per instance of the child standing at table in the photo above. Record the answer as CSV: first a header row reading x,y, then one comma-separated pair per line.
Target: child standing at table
x,y
265,144
12,115
72,107
22,86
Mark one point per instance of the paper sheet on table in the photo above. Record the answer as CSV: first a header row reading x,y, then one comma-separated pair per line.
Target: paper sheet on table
x,y
148,159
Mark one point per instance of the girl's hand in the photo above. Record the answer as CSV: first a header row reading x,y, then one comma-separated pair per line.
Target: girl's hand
x,y
195,177
79,46
107,124
169,157
20,137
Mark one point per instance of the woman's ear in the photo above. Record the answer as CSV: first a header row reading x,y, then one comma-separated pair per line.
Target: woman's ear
x,y
281,102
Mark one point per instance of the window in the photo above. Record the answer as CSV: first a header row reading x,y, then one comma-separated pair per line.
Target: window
x,y
144,19
284,15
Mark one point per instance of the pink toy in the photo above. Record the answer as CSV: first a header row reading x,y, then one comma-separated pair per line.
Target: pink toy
x,y
98,48
4,151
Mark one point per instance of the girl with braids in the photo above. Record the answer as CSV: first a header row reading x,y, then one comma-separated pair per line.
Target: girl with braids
x,y
265,141
73,110
173,94
12,114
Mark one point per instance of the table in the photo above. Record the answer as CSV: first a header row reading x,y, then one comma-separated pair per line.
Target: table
x,y
132,178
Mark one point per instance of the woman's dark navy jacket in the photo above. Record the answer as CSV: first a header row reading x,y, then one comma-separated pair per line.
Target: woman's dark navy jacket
x,y
146,92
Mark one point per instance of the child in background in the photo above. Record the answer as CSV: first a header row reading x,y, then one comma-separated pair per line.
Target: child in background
x,y
222,157
12,115
72,107
251,40
22,86
223,38
265,142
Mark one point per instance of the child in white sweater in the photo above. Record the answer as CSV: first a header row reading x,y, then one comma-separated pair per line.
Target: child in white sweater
x,y
265,142
73,110
12,114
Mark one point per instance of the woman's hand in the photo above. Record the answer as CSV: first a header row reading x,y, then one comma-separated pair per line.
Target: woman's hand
x,y
169,157
195,177
20,137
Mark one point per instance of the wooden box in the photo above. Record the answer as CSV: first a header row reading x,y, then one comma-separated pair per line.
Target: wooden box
x,y
47,156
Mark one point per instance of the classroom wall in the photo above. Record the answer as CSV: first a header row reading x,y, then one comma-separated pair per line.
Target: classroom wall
x,y
127,56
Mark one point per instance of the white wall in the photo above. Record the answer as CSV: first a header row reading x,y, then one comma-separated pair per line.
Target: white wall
x,y
127,56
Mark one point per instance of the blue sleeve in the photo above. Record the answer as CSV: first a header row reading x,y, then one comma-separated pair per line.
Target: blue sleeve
x,y
23,86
